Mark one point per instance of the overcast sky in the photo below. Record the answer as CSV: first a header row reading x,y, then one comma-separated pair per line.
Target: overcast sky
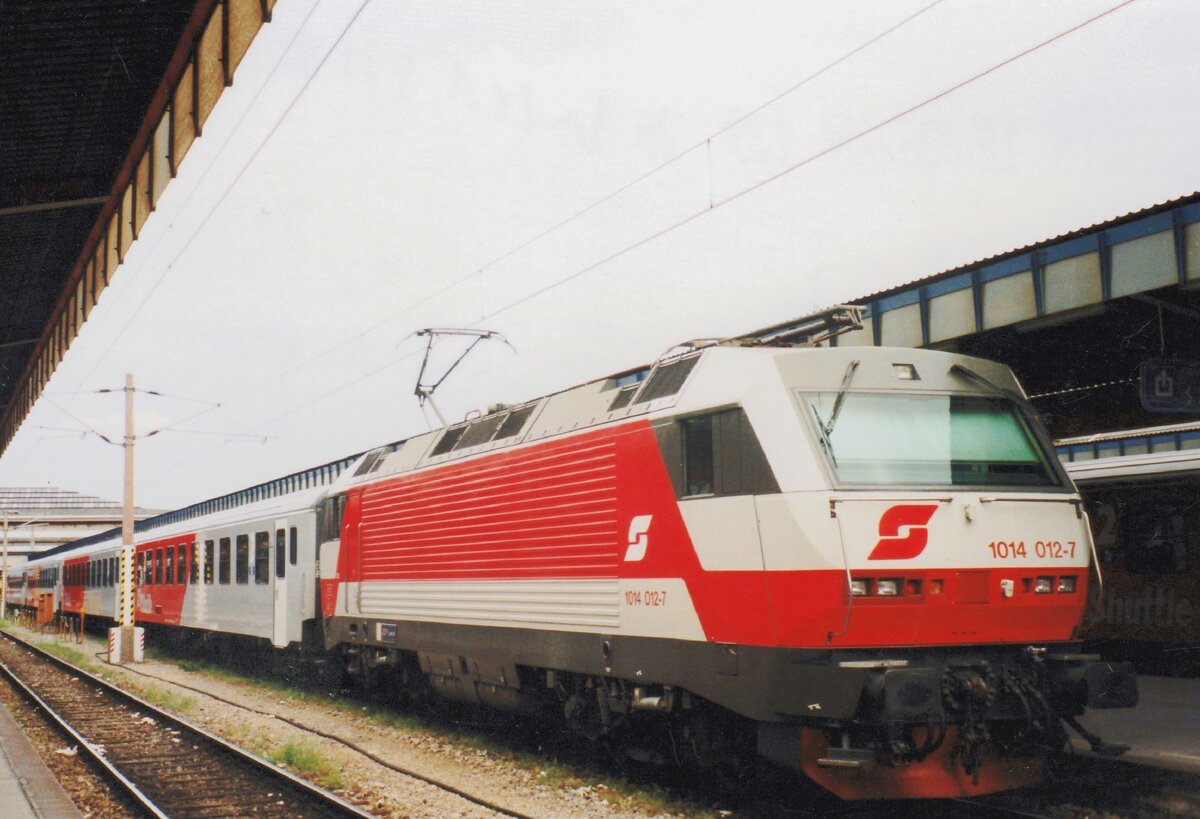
x,y
329,212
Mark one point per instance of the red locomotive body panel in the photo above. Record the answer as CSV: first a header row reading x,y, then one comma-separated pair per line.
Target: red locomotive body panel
x,y
555,509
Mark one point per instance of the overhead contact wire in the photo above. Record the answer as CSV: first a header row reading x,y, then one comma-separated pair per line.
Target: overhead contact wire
x,y
806,161
228,138
732,198
704,143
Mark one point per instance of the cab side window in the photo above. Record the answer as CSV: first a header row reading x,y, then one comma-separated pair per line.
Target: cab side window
x,y
716,453
332,511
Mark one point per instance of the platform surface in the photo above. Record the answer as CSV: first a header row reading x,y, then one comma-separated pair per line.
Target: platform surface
x,y
28,790
1163,730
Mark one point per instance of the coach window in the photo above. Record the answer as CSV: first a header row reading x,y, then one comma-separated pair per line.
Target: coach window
x,y
280,552
243,559
194,575
181,567
158,566
141,569
292,548
262,558
169,567
209,563
224,573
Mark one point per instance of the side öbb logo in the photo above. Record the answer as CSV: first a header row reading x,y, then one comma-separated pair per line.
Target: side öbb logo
x,y
639,537
903,532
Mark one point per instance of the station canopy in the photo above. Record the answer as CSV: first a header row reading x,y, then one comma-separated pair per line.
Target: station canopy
x,y
1079,318
100,101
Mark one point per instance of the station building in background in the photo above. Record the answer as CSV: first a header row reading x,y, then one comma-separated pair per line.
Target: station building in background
x,y
42,517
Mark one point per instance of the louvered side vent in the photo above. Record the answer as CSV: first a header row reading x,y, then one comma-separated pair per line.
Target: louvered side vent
x,y
623,397
667,379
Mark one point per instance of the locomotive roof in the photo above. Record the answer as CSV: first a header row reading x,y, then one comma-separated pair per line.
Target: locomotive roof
x,y
649,391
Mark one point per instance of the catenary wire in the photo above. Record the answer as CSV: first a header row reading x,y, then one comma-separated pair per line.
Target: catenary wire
x,y
229,188
732,198
590,207
241,171
806,161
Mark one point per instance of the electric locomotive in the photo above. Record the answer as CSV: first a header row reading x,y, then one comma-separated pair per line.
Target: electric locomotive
x,y
865,564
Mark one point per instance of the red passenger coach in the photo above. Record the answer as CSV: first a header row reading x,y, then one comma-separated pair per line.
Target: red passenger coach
x,y
865,565
161,568
75,580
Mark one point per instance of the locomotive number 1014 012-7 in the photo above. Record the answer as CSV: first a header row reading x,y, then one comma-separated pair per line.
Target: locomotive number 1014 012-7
x,y
1042,549
647,597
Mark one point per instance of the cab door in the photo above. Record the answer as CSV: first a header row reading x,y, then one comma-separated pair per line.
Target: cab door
x,y
279,634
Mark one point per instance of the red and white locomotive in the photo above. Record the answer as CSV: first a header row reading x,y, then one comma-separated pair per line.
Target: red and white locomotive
x,y
863,563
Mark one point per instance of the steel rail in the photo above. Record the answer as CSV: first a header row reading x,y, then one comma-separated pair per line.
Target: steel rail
x,y
260,766
92,750
482,801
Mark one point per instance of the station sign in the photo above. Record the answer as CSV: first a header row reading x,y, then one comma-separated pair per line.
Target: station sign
x,y
1170,385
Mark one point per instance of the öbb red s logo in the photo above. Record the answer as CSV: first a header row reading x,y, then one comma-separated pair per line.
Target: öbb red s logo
x,y
903,532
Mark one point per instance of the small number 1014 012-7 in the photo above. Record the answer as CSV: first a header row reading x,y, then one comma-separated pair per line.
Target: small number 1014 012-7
x,y
1053,549
648,597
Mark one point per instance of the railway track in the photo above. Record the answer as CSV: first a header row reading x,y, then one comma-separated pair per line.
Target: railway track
x,y
168,766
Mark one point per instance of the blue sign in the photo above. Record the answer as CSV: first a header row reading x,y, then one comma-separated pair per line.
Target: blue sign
x,y
1170,385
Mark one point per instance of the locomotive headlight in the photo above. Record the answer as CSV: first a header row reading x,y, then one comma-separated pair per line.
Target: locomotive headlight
x,y
858,588
887,588
1044,585
1066,584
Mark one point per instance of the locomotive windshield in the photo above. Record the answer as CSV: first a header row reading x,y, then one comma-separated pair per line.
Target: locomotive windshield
x,y
930,440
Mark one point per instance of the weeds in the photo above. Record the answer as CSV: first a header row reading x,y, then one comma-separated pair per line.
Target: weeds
x,y
302,757
179,703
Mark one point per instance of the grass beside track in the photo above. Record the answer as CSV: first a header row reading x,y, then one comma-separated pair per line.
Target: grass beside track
x,y
303,758
299,755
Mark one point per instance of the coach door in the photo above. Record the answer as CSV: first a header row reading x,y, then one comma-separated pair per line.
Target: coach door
x,y
279,634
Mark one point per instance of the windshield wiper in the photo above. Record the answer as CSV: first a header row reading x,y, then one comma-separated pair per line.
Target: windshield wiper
x,y
1004,392
826,427
841,396
825,442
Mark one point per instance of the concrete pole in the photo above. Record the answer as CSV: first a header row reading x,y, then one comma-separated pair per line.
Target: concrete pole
x,y
127,510
126,602
4,576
